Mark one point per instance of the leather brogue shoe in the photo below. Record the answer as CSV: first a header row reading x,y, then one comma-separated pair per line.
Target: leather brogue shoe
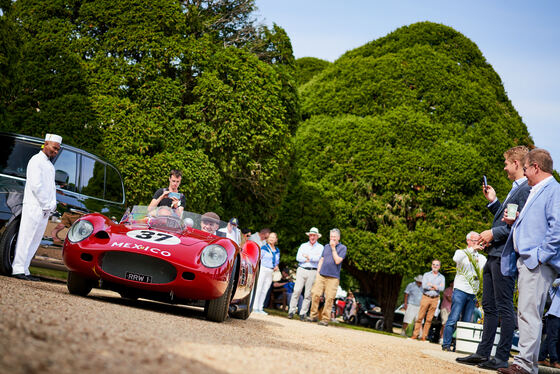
x,y
32,278
493,364
513,369
473,359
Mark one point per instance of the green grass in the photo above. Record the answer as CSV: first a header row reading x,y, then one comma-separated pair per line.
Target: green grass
x,y
281,313
49,273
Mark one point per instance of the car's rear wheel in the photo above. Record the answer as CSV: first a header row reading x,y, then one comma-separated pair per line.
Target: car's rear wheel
x,y
217,310
8,247
78,284
249,299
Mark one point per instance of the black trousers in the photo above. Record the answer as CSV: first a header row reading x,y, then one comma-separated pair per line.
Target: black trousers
x,y
497,302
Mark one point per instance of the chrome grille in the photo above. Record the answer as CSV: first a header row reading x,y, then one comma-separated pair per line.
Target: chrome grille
x,y
119,263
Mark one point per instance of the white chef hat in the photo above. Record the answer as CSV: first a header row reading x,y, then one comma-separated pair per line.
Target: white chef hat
x,y
53,138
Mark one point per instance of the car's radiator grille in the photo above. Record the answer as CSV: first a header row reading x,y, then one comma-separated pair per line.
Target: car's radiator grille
x,y
137,266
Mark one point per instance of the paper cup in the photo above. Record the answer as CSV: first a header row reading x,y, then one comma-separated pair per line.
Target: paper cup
x,y
511,210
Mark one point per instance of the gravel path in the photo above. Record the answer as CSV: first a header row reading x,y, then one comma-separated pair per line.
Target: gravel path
x,y
44,329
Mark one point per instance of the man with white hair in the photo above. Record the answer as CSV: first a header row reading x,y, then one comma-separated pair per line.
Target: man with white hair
x,y
308,256
465,286
39,200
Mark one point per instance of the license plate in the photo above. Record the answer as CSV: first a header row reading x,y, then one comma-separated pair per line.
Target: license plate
x,y
138,277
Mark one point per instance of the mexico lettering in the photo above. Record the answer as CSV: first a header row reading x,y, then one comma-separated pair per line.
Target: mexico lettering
x,y
141,247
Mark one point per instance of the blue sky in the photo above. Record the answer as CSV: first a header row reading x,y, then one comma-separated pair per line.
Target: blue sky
x,y
520,39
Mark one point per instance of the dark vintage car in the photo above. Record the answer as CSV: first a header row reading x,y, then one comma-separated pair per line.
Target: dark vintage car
x,y
84,183
159,256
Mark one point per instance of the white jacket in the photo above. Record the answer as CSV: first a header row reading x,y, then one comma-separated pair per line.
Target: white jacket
x,y
40,188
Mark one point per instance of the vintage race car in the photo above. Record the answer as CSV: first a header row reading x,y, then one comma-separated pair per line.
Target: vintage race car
x,y
159,256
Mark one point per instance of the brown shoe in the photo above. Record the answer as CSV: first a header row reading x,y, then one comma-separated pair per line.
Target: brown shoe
x,y
555,365
544,362
513,369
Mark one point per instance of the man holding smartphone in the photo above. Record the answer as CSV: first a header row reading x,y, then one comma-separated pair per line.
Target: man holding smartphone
x,y
497,291
170,196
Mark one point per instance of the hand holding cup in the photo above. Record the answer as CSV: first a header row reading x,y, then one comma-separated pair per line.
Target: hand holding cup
x,y
509,217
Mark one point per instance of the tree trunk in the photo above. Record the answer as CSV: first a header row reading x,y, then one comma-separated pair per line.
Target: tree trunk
x,y
384,287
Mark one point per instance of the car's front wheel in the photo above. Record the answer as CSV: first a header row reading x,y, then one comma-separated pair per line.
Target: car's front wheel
x,y
8,247
217,310
78,284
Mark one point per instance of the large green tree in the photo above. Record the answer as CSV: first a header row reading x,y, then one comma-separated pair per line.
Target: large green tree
x,y
396,137
160,85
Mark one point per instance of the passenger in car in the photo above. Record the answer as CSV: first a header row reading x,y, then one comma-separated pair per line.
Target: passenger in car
x,y
170,196
210,222
39,200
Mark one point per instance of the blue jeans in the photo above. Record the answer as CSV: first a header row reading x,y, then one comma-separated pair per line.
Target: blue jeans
x,y
462,304
549,346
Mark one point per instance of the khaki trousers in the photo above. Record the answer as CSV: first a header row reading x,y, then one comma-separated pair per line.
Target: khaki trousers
x,y
328,286
428,307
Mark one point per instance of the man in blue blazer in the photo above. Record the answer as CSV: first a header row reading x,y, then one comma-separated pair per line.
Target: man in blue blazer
x,y
497,291
533,251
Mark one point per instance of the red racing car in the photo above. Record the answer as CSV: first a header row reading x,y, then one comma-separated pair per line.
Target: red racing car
x,y
160,256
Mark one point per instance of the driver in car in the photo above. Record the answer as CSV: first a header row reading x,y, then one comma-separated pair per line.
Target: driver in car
x,y
210,222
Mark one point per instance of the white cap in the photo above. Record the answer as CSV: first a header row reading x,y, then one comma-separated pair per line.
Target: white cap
x,y
53,138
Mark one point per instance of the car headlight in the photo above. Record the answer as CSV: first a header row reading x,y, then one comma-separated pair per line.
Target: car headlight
x,y
79,231
213,256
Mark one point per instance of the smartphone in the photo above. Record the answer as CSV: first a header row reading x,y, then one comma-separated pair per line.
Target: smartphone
x,y
174,195
484,182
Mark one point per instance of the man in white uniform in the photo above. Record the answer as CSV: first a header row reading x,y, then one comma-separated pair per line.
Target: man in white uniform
x,y
39,200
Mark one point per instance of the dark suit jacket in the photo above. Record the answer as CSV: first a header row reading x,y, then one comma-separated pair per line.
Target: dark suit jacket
x,y
499,228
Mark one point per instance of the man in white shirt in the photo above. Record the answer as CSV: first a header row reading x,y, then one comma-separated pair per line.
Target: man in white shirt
x,y
232,231
308,256
39,200
465,286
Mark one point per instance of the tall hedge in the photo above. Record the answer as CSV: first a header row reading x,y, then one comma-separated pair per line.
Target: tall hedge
x,y
396,137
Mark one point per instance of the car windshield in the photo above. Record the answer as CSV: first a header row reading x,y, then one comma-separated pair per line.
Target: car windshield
x,y
165,218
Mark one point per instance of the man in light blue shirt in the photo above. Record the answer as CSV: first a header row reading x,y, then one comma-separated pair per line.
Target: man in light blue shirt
x,y
412,297
308,256
432,284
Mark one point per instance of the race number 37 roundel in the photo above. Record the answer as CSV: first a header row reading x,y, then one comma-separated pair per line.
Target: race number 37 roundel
x,y
155,237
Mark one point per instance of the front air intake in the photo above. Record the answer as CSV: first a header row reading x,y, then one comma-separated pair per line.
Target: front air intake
x,y
138,267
